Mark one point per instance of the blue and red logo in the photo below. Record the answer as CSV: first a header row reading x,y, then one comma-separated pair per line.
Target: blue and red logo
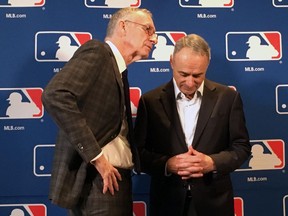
x,y
238,206
21,103
135,94
253,46
42,159
58,46
23,209
282,99
207,3
265,155
139,208
112,3
165,46
23,3
280,3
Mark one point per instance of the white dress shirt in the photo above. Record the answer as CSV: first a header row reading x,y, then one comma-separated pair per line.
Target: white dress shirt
x,y
188,110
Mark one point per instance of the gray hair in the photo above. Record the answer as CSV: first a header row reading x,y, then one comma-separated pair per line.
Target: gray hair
x,y
122,14
195,42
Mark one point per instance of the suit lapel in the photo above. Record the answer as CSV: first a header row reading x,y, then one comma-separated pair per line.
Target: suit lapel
x,y
167,98
115,67
117,75
208,102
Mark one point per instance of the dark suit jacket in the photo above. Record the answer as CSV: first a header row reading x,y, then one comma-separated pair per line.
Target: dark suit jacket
x,y
220,133
86,100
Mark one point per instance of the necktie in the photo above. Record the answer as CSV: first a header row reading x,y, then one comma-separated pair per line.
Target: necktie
x,y
136,159
127,98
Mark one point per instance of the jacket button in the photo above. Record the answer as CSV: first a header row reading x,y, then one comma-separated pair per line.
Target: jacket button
x,y
80,146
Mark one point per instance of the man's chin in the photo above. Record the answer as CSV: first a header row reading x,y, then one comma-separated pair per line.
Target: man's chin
x,y
142,57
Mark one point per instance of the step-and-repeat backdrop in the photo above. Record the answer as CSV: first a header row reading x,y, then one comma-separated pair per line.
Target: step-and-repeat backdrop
x,y
249,41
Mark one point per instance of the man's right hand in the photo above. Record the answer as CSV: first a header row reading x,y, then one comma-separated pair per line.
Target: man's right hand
x,y
109,174
187,165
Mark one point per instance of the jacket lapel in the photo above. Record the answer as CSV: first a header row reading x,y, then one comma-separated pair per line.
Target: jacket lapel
x,y
208,102
167,98
117,75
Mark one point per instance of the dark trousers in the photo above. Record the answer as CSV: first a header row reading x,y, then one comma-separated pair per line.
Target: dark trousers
x,y
97,203
189,207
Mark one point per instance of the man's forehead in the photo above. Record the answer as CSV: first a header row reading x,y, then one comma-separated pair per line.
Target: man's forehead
x,y
141,16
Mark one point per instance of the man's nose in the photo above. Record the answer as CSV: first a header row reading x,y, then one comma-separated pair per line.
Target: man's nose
x,y
190,81
154,39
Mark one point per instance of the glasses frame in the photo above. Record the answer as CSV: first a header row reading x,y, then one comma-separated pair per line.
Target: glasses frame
x,y
148,29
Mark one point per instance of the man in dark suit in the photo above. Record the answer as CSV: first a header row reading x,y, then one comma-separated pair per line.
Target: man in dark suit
x,y
94,154
191,135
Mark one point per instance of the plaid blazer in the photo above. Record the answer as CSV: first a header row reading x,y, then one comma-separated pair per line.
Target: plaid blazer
x,y
86,100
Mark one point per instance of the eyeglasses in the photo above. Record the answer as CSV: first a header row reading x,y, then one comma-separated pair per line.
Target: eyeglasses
x,y
148,29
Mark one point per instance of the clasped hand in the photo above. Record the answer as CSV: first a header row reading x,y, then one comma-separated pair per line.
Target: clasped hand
x,y
191,164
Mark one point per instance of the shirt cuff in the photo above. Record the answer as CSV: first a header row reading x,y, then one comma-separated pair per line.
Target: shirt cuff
x,y
94,159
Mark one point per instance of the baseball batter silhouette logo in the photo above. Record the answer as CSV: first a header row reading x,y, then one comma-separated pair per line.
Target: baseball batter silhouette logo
x,y
139,208
42,159
285,205
54,46
21,103
165,46
23,210
238,206
207,3
280,3
282,99
112,3
253,46
23,3
265,155
135,94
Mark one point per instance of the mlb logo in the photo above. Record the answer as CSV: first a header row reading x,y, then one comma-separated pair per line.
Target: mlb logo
x,y
58,46
238,206
112,3
207,3
253,46
139,208
135,94
265,155
23,210
42,160
21,103
285,205
282,99
165,46
280,3
23,3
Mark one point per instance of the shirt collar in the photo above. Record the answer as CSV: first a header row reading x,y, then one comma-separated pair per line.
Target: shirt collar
x,y
178,93
119,58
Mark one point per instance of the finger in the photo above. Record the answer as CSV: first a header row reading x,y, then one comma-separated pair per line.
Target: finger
x,y
189,171
108,185
194,175
111,186
105,188
190,150
194,152
118,176
115,183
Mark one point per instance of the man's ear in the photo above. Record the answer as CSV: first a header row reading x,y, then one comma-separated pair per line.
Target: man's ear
x,y
171,60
